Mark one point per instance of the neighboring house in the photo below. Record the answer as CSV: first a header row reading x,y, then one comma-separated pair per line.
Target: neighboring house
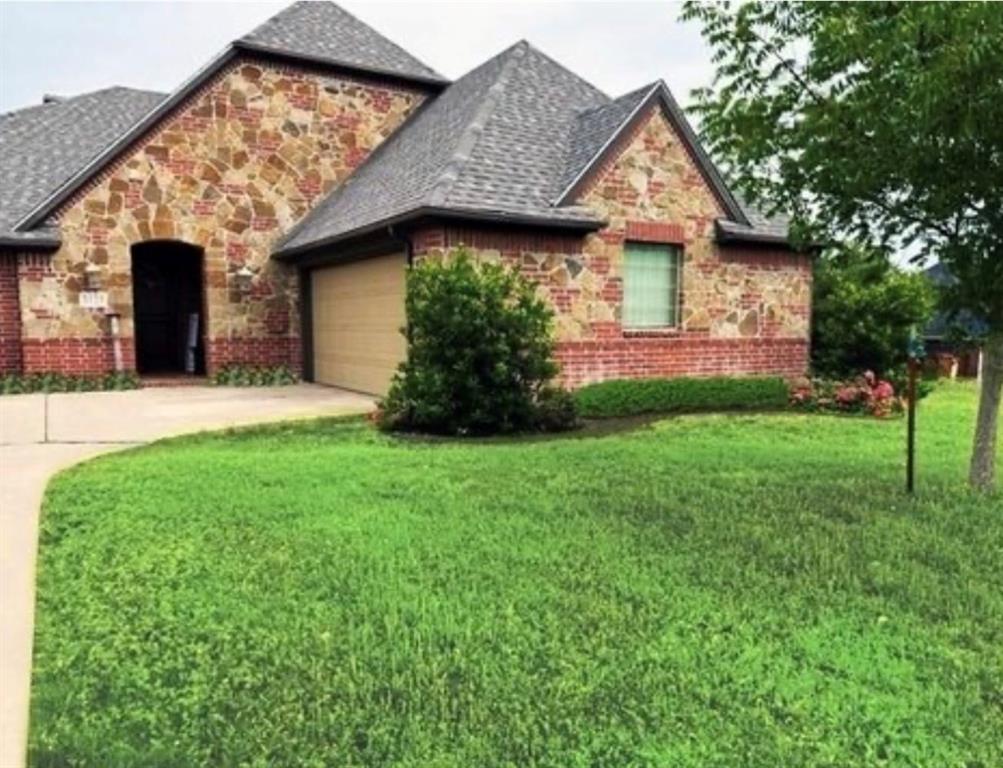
x,y
266,212
953,344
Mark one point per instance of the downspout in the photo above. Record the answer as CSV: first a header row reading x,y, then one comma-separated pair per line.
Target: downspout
x,y
409,257
405,241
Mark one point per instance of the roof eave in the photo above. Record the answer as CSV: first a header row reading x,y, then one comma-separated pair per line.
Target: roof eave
x,y
724,236
291,254
730,236
266,50
30,243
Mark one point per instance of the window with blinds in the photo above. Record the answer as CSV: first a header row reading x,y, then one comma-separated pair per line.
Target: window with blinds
x,y
651,285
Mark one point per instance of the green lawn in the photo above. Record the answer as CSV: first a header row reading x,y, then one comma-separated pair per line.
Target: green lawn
x,y
705,591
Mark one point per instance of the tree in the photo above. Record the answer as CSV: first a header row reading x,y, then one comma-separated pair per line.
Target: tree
x,y
863,310
879,122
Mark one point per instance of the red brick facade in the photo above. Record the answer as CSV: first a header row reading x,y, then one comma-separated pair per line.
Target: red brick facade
x,y
10,315
643,357
256,350
74,356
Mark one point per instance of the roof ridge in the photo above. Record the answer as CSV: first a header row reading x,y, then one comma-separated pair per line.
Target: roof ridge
x,y
439,193
647,88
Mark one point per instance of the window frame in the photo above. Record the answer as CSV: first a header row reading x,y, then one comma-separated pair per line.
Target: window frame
x,y
676,253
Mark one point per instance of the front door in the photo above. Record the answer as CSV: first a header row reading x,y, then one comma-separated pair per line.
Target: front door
x,y
167,293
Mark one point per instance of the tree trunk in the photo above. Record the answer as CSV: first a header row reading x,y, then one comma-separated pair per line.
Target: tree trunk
x,y
982,475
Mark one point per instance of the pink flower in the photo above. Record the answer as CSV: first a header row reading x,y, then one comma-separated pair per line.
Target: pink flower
x,y
883,390
847,395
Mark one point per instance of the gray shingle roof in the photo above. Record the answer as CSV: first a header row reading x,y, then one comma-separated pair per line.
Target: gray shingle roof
x,y
325,32
507,141
42,146
493,143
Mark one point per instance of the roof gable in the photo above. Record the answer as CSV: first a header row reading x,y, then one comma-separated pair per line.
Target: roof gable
x,y
597,134
330,36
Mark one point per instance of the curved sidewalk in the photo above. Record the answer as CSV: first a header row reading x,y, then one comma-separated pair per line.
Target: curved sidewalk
x,y
42,434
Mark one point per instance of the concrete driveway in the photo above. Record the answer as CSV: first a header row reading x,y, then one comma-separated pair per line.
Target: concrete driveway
x,y
42,434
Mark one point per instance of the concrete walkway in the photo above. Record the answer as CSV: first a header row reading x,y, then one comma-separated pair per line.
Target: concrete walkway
x,y
42,434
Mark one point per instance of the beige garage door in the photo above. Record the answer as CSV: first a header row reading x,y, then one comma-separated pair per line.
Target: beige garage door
x,y
358,311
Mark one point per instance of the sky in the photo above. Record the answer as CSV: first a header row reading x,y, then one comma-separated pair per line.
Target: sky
x,y
74,47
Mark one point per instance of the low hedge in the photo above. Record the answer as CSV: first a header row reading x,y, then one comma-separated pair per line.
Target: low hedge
x,y
22,384
240,375
634,397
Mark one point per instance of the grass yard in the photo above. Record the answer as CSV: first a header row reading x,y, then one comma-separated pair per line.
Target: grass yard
x,y
705,591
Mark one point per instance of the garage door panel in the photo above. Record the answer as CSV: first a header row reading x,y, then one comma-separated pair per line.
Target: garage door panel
x,y
358,314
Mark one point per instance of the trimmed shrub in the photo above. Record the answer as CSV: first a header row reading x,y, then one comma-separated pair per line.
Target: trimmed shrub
x,y
238,375
480,354
556,410
634,397
863,309
18,384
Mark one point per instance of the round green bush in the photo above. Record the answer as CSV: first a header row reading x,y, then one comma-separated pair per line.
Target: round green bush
x,y
480,354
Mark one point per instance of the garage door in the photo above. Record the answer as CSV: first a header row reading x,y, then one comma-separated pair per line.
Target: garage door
x,y
358,311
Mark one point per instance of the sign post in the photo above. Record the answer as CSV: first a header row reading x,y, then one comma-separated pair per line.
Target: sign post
x,y
916,354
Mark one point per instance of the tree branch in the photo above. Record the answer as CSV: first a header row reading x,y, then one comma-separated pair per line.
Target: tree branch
x,y
827,104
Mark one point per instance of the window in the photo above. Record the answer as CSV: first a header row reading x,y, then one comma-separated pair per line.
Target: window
x,y
651,278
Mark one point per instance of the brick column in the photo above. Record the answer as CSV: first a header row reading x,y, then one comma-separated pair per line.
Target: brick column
x,y
10,315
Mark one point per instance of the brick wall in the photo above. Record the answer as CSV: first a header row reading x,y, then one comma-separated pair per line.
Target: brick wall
x,y
585,291
255,350
71,356
642,357
10,315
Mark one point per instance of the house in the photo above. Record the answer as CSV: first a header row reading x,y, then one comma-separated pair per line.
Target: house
x,y
266,213
953,344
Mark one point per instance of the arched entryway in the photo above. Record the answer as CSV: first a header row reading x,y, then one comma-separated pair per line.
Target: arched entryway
x,y
168,307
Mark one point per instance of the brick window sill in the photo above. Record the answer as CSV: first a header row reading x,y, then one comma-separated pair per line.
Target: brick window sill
x,y
648,333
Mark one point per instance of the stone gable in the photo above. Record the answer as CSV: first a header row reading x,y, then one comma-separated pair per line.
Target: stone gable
x,y
230,170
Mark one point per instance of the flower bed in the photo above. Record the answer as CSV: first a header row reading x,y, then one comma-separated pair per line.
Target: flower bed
x,y
865,395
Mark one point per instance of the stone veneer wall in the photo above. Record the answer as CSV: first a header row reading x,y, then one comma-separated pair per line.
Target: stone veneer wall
x,y
745,310
10,315
230,170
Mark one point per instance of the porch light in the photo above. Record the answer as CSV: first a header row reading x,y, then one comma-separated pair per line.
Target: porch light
x,y
244,277
92,277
